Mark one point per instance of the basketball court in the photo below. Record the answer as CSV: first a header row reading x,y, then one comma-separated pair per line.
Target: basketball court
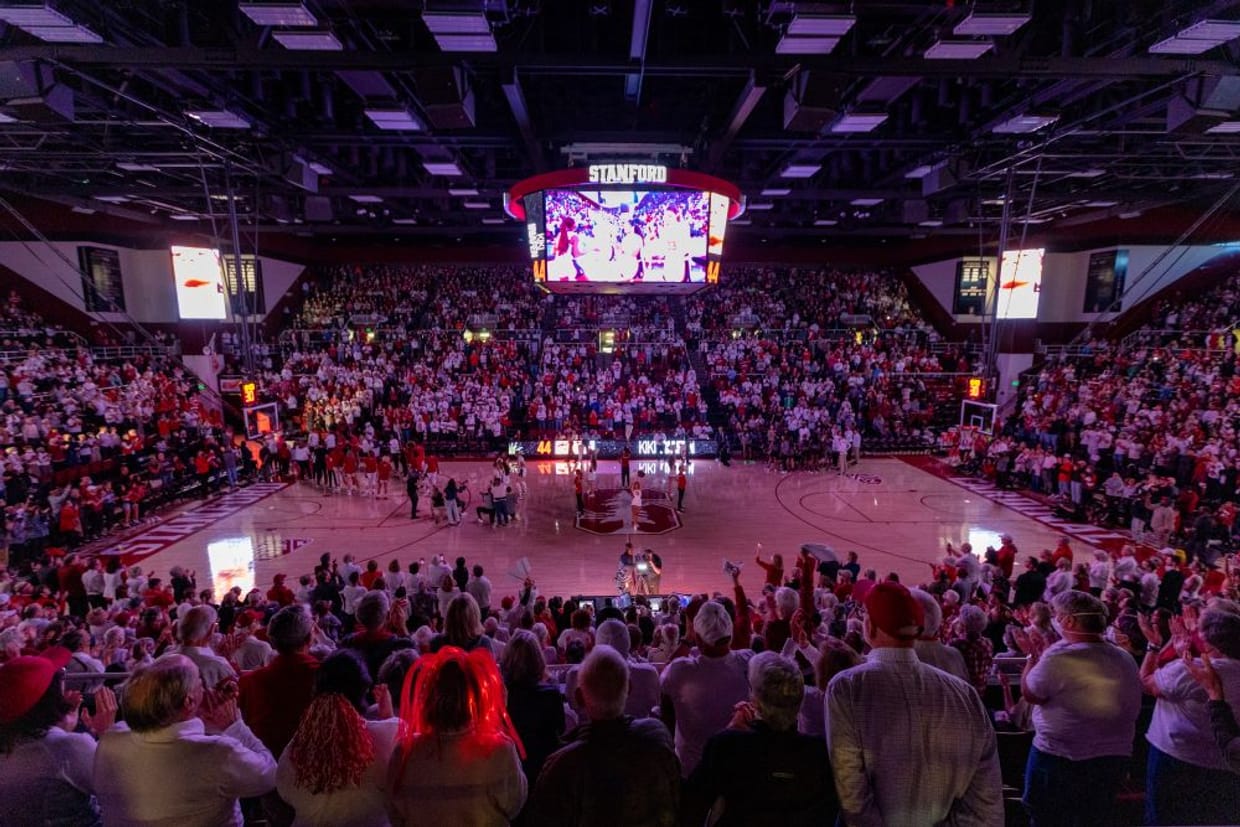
x,y
896,515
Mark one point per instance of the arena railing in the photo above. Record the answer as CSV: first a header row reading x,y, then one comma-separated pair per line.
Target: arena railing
x,y
1170,338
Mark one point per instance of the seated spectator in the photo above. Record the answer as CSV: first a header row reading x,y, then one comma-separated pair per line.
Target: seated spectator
x,y
643,678
699,691
46,767
535,705
760,770
162,766
333,773
614,770
457,761
274,699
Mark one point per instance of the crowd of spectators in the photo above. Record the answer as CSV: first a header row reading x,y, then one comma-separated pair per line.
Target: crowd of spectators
x,y
786,350
90,445
1139,434
640,387
369,696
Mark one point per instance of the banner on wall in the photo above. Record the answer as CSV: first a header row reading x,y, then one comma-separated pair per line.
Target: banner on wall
x,y
1104,281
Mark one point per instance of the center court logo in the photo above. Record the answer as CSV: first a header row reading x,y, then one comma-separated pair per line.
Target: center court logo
x,y
608,512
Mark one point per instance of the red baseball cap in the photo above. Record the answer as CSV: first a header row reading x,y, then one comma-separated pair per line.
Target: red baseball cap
x,y
894,610
24,681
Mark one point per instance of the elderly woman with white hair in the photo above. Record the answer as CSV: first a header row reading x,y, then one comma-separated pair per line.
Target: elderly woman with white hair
x,y
1187,777
760,770
1099,573
929,648
976,648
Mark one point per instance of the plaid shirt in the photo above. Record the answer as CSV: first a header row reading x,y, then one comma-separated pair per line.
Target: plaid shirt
x,y
911,745
979,655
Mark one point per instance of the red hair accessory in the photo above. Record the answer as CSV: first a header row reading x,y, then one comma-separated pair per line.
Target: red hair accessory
x,y
485,707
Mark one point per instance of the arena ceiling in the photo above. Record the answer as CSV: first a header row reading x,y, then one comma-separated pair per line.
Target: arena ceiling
x,y
871,118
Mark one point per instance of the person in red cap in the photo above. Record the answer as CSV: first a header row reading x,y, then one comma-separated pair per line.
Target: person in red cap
x,y
909,743
47,769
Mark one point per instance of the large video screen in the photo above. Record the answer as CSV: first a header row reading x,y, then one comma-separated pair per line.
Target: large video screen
x,y
627,237
200,284
1020,283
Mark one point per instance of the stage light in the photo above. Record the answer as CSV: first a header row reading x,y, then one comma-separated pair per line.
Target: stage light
x,y
825,222
857,122
805,45
819,25
40,16
800,171
866,202
759,206
456,23
308,41
931,222
278,14
1224,128
982,23
64,34
447,168
462,191
476,205
130,166
769,191
958,50
218,118
919,172
393,119
1217,30
493,221
366,199
1176,46
320,169
1023,124
467,43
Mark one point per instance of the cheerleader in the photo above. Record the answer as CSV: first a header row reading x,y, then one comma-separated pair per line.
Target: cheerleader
x,y
636,504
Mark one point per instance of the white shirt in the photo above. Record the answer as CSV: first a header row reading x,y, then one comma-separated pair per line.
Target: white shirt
x,y
480,589
941,656
178,776
253,654
349,596
703,691
360,806
1181,723
1093,697
643,690
211,666
50,778
911,745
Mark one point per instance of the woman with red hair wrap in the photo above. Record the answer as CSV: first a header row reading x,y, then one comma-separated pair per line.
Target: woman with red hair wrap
x,y
334,771
458,758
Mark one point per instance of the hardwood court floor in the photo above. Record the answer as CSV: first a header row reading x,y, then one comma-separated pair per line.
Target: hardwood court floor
x,y
897,517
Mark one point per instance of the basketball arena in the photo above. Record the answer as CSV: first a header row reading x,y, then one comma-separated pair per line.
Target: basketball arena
x,y
818,389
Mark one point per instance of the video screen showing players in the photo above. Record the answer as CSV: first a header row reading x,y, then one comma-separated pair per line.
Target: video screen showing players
x,y
634,237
